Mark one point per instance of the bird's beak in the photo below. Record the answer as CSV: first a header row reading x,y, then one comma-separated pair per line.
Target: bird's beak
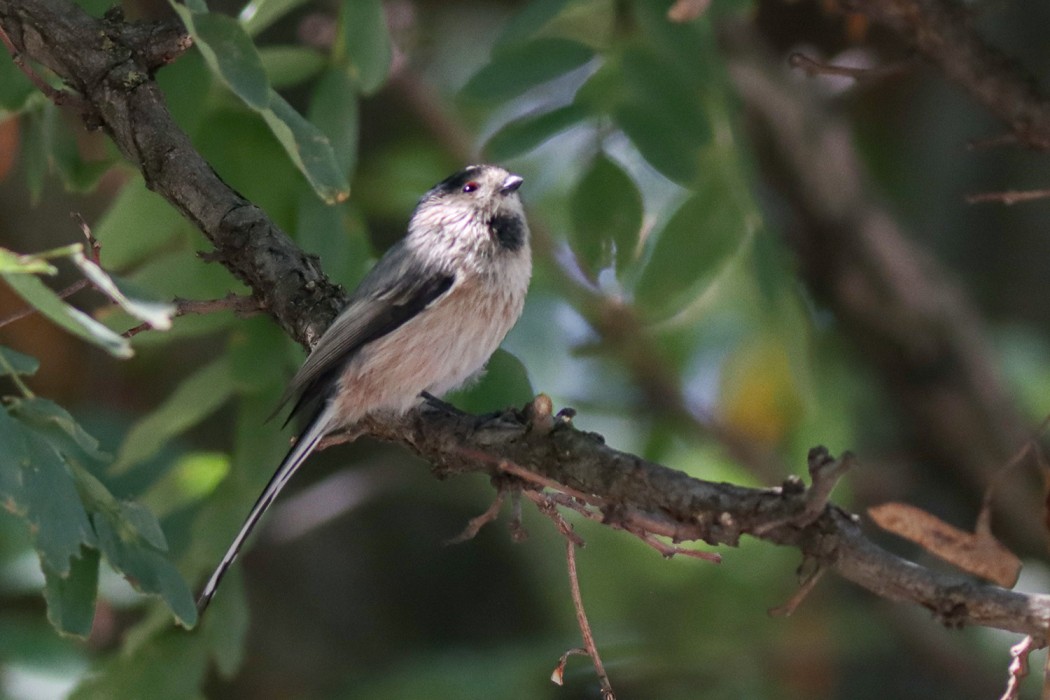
x,y
511,184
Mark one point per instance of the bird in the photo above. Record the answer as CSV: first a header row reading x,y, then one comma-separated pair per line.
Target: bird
x,y
424,321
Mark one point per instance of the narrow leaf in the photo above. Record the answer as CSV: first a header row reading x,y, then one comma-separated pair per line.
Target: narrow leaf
x,y
308,148
694,244
197,397
157,315
522,135
35,292
229,52
257,15
606,216
521,67
367,40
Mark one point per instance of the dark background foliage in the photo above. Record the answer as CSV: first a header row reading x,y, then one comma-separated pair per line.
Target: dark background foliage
x,y
734,262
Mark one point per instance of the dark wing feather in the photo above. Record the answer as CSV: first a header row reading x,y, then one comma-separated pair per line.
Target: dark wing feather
x,y
388,298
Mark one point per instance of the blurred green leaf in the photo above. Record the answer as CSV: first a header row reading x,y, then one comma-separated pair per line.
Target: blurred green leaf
x,y
662,113
197,397
15,88
516,69
226,626
191,478
71,597
17,363
137,223
287,66
309,149
660,141
532,17
229,52
524,134
607,212
257,15
505,383
334,109
78,175
170,667
47,302
157,315
15,263
13,456
693,245
366,39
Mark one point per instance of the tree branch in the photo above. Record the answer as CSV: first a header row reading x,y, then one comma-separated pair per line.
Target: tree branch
x,y
630,492
106,61
941,31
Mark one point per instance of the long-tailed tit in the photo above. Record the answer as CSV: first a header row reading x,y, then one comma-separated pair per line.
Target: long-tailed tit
x,y
426,318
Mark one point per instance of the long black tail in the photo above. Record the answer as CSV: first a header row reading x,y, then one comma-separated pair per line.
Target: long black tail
x,y
317,429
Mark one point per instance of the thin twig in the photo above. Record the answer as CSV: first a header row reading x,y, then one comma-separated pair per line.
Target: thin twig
x,y
1009,197
240,305
1019,666
474,526
813,67
801,594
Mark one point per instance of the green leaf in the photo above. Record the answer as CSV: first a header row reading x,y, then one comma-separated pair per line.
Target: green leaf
x,y
606,216
257,15
334,109
71,598
693,245
366,38
15,88
14,454
170,667
15,362
662,113
308,148
157,315
35,292
197,397
290,65
137,223
660,142
522,135
533,17
57,520
61,429
14,263
146,569
226,626
504,383
229,52
519,68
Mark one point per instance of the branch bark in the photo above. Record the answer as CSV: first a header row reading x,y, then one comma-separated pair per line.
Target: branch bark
x,y
99,60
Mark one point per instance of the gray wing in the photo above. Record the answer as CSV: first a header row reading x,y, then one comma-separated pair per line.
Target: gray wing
x,y
394,291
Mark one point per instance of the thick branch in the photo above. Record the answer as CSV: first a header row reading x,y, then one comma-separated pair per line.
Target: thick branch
x,y
631,490
97,59
104,61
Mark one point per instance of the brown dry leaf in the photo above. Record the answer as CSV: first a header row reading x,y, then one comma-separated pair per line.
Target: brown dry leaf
x,y
978,553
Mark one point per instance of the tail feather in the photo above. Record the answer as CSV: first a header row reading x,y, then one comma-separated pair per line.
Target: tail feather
x,y
317,429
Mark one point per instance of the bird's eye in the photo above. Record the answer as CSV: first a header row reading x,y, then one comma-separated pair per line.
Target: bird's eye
x,y
470,186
